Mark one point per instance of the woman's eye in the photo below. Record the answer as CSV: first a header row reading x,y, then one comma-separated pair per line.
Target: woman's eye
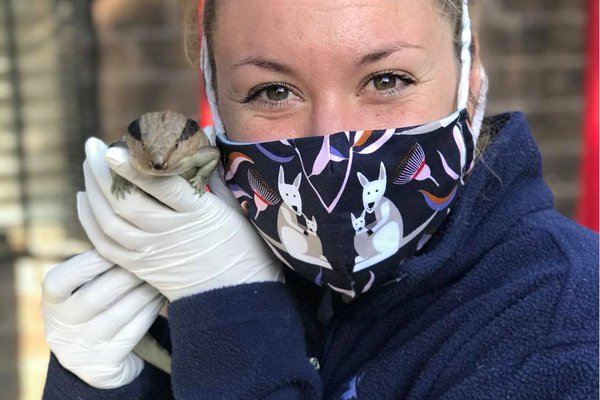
x,y
384,82
387,83
277,93
272,95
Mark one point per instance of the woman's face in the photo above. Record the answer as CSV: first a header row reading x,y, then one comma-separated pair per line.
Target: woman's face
x,y
289,68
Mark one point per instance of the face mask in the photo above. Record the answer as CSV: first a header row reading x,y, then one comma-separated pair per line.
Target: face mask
x,y
345,210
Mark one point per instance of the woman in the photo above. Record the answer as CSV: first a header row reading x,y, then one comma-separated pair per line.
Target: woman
x,y
422,259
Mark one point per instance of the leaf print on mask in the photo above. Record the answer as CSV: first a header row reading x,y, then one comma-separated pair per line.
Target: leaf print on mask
x,y
327,154
370,283
349,293
335,155
438,203
237,191
319,277
412,166
233,162
264,196
447,168
322,158
361,137
272,156
460,143
373,147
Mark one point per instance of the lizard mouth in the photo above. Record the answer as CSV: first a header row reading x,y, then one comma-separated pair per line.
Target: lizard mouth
x,y
154,169
147,170
155,172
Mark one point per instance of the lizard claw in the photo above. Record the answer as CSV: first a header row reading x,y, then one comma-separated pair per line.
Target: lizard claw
x,y
120,186
199,184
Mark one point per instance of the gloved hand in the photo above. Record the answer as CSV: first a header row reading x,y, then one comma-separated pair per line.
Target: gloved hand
x,y
177,241
94,314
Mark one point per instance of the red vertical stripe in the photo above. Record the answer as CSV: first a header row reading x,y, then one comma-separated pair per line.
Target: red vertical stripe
x,y
587,212
204,112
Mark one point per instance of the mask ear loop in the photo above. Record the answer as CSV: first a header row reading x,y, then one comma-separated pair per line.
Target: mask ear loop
x,y
211,96
463,90
465,57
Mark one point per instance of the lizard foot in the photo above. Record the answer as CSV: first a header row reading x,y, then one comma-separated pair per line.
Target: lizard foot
x,y
120,186
199,184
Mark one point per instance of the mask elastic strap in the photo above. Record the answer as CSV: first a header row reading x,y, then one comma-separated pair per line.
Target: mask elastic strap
x,y
463,89
211,96
465,57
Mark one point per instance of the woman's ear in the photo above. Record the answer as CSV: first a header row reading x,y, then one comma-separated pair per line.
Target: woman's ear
x,y
475,78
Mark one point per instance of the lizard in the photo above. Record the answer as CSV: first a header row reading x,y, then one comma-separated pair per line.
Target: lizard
x,y
165,143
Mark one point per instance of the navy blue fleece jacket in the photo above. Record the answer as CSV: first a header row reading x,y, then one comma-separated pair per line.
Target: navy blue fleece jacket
x,y
501,304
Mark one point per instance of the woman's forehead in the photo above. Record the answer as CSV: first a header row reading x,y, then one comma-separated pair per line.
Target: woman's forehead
x,y
319,27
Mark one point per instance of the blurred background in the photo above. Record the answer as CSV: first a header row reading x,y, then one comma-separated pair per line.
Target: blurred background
x,y
71,69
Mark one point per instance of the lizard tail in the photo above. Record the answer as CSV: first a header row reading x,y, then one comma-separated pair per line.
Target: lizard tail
x,y
152,352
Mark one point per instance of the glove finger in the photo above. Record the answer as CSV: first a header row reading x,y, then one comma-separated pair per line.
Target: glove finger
x,y
215,212
136,206
108,324
109,375
98,295
99,215
60,282
141,323
174,191
105,246
95,149
95,170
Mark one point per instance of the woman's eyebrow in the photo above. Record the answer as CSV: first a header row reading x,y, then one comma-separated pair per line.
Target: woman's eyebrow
x,y
384,52
371,57
266,64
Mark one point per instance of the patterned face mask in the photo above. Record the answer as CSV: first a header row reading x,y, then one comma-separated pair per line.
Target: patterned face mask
x,y
345,210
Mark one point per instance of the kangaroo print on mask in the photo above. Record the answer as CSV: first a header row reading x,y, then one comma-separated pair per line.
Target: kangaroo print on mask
x,y
345,210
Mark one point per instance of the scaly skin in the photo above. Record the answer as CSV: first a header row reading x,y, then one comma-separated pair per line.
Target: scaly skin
x,y
165,143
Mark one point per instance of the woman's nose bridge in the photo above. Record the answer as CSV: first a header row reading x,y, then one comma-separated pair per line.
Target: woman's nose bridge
x,y
330,114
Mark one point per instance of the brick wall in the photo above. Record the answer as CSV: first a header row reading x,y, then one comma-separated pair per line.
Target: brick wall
x,y
43,101
142,63
534,53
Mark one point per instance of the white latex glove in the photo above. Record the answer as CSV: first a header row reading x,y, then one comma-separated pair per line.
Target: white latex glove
x,y
179,242
94,314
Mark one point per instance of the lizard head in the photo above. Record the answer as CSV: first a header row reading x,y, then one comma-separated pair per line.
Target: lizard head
x,y
160,143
